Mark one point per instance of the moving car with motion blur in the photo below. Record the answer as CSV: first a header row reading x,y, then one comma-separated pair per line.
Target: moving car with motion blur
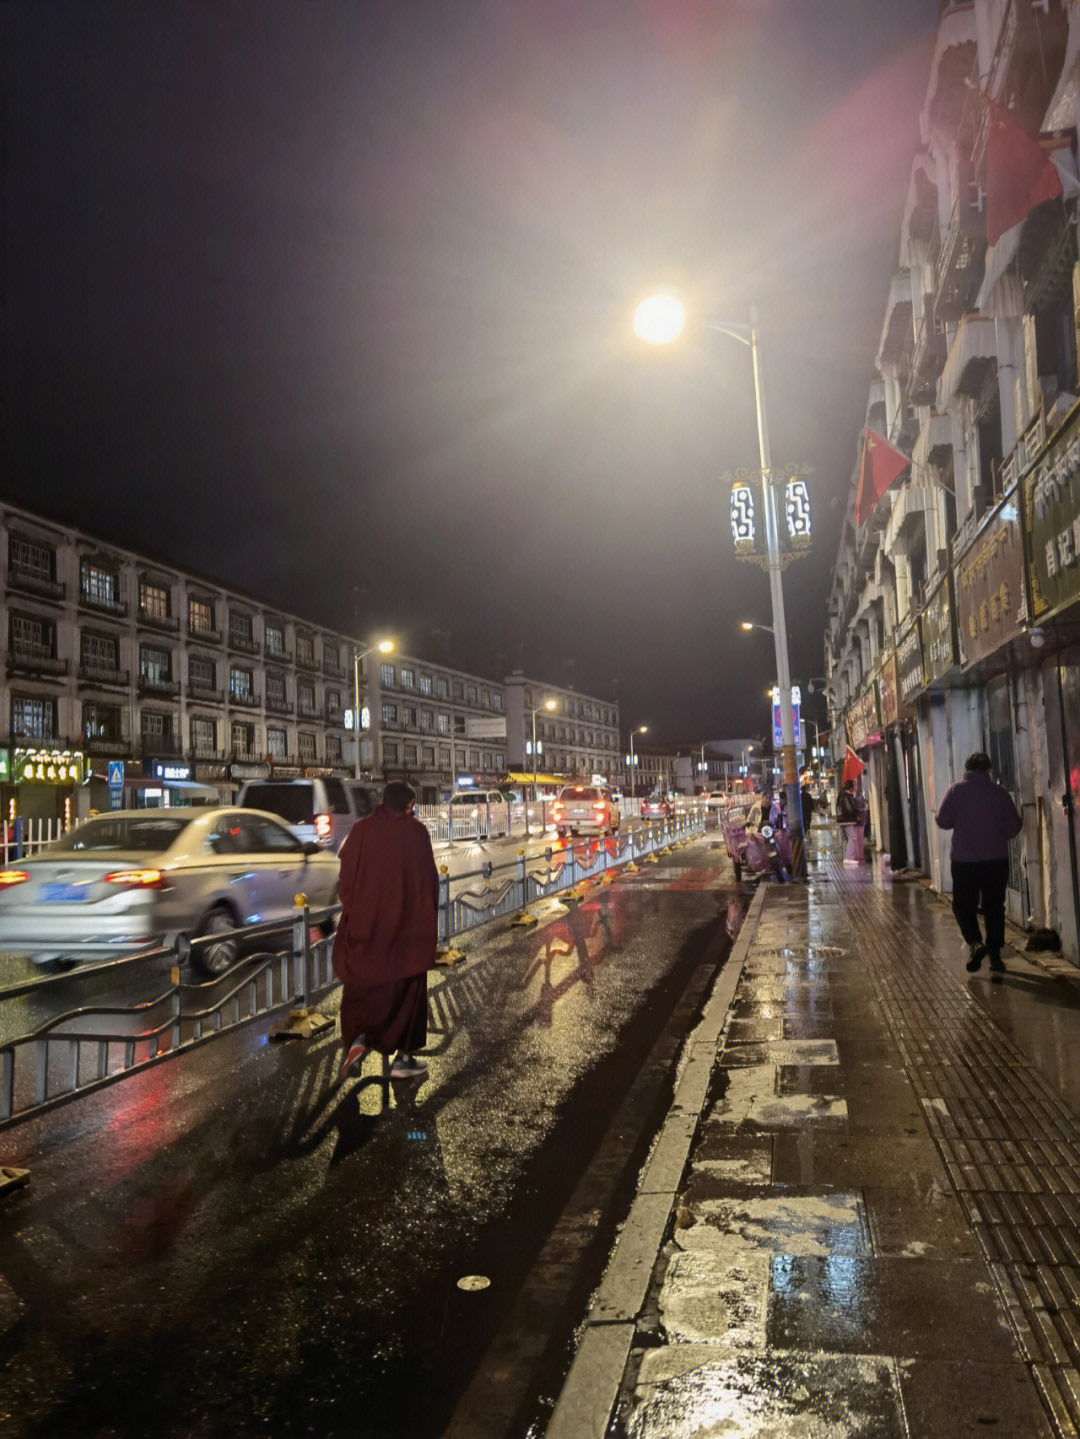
x,y
656,806
135,879
584,809
485,809
322,809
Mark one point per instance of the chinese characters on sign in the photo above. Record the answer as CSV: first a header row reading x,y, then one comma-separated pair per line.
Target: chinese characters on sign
x,y
989,582
48,766
1052,511
864,722
890,702
938,633
909,663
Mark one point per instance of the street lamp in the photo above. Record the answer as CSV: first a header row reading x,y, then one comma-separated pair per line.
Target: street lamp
x,y
749,625
384,647
544,705
641,729
659,320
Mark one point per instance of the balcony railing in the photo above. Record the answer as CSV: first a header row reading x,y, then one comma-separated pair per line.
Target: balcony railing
x,y
279,705
33,582
333,668
249,701
161,746
205,694
208,756
156,685
307,662
279,657
309,709
107,746
244,644
207,636
959,253
168,624
102,675
102,604
35,659
247,756
335,716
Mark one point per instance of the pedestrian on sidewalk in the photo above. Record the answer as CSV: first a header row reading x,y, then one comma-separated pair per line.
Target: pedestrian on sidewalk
x,y
809,803
386,939
983,819
847,812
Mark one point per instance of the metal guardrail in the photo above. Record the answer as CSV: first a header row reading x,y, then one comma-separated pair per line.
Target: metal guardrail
x,y
58,1061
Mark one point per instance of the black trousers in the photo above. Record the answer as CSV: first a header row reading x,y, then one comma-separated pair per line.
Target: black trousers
x,y
985,880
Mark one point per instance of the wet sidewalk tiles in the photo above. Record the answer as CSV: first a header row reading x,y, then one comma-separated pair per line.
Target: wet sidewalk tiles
x,y
852,1254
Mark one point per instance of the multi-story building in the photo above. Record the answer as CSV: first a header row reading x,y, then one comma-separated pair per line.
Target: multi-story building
x,y
954,614
576,735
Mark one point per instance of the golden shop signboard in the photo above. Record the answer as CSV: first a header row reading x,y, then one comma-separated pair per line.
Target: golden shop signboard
x,y
989,585
1051,499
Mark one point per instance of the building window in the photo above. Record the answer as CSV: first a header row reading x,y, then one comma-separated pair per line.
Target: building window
x,y
411,755
201,617
333,702
428,753
470,694
390,752
305,694
97,652
458,690
333,749
443,724
240,684
202,674
305,650
241,629
425,684
306,743
331,656
386,675
408,716
33,717
275,641
444,757
275,687
500,761
156,729
101,722
155,666
32,638
486,760
496,701
389,714
243,738
203,734
441,689
474,759
427,721
32,558
153,601
275,743
408,678
99,586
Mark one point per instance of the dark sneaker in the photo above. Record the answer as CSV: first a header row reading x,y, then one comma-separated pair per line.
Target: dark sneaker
x,y
978,954
406,1067
997,964
354,1056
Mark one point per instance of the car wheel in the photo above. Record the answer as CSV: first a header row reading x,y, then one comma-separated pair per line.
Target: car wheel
x,y
217,956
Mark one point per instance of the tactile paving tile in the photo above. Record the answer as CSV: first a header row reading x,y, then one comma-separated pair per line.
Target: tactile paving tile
x,y
1009,1143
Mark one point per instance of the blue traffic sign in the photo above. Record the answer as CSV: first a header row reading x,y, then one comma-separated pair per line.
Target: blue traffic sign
x,y
116,774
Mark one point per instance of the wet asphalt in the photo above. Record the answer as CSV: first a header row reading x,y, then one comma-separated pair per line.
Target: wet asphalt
x,y
232,1243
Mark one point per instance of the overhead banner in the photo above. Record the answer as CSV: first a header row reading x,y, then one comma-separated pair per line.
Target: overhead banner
x,y
909,664
989,586
864,718
1051,500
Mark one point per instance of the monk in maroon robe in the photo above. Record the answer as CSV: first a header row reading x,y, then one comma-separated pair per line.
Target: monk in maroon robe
x,y
385,942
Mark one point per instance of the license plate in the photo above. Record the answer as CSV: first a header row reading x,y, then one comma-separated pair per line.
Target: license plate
x,y
64,892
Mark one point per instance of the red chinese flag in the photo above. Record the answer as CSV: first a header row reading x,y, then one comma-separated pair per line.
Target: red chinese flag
x,y
880,466
1019,174
853,766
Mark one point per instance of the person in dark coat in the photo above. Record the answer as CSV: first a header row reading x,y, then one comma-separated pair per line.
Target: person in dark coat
x,y
983,820
807,801
386,939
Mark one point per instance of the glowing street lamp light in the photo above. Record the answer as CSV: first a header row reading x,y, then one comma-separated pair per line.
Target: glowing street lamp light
x,y
384,647
748,626
548,704
641,729
659,320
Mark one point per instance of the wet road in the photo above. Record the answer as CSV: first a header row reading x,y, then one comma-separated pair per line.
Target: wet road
x,y
228,1243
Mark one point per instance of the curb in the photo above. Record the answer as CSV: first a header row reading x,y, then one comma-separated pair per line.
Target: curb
x,y
591,1388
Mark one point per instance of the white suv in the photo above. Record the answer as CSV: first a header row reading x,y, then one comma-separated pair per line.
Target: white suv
x,y
585,809
487,809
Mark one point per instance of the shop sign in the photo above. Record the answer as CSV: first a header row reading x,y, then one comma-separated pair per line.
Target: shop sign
x,y
49,766
890,697
287,771
989,581
909,663
5,765
249,771
168,771
211,773
864,720
938,633
1051,499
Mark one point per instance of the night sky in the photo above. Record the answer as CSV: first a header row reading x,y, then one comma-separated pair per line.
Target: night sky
x,y
332,302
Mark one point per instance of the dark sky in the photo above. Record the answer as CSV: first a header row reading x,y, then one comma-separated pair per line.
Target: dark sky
x,y
313,296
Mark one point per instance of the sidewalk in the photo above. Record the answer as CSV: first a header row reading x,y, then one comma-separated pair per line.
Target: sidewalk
x,y
862,1217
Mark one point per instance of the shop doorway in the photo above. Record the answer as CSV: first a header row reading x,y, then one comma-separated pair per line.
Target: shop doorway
x,y
1001,747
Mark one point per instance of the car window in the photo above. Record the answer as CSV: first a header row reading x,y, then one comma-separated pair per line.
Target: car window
x,y
581,792
231,834
266,837
155,832
363,799
336,797
294,803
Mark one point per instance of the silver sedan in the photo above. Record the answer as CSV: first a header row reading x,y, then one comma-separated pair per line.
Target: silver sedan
x,y
133,879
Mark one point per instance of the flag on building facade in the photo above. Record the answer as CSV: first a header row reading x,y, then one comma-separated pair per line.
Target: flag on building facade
x,y
881,464
853,766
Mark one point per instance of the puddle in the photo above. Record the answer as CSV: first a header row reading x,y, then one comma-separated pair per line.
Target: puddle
x,y
746,1095
715,1299
801,1052
804,1226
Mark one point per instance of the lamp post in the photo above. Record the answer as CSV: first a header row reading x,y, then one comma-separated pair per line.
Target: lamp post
x,y
659,320
641,729
384,647
544,705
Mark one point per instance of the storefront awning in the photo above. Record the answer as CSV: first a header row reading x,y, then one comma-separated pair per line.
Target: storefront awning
x,y
519,777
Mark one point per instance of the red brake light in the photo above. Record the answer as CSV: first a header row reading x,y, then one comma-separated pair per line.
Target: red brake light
x,y
324,826
9,877
137,878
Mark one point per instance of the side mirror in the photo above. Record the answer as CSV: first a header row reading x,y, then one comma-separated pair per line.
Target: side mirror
x,y
310,847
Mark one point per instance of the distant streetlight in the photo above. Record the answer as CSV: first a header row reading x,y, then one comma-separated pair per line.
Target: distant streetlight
x,y
641,729
659,320
753,625
384,647
543,705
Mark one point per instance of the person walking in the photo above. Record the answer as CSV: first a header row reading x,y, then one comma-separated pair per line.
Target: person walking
x,y
983,819
807,800
386,939
851,822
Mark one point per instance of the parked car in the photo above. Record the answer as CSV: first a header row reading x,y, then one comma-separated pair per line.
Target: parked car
x,y
323,810
655,806
584,809
487,808
134,879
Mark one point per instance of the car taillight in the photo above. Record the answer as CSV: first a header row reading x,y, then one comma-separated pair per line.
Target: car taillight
x,y
9,877
137,878
324,826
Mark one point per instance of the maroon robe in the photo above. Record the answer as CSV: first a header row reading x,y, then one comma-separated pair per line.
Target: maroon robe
x,y
385,942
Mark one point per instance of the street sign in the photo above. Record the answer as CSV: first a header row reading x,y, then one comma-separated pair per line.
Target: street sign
x,y
116,774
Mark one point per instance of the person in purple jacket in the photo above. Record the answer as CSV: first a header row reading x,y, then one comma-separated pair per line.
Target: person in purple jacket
x,y
983,819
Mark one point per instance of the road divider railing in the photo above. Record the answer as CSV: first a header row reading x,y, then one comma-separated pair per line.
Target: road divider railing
x,y
288,966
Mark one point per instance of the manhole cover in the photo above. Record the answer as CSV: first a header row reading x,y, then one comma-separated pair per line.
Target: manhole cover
x,y
474,1282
